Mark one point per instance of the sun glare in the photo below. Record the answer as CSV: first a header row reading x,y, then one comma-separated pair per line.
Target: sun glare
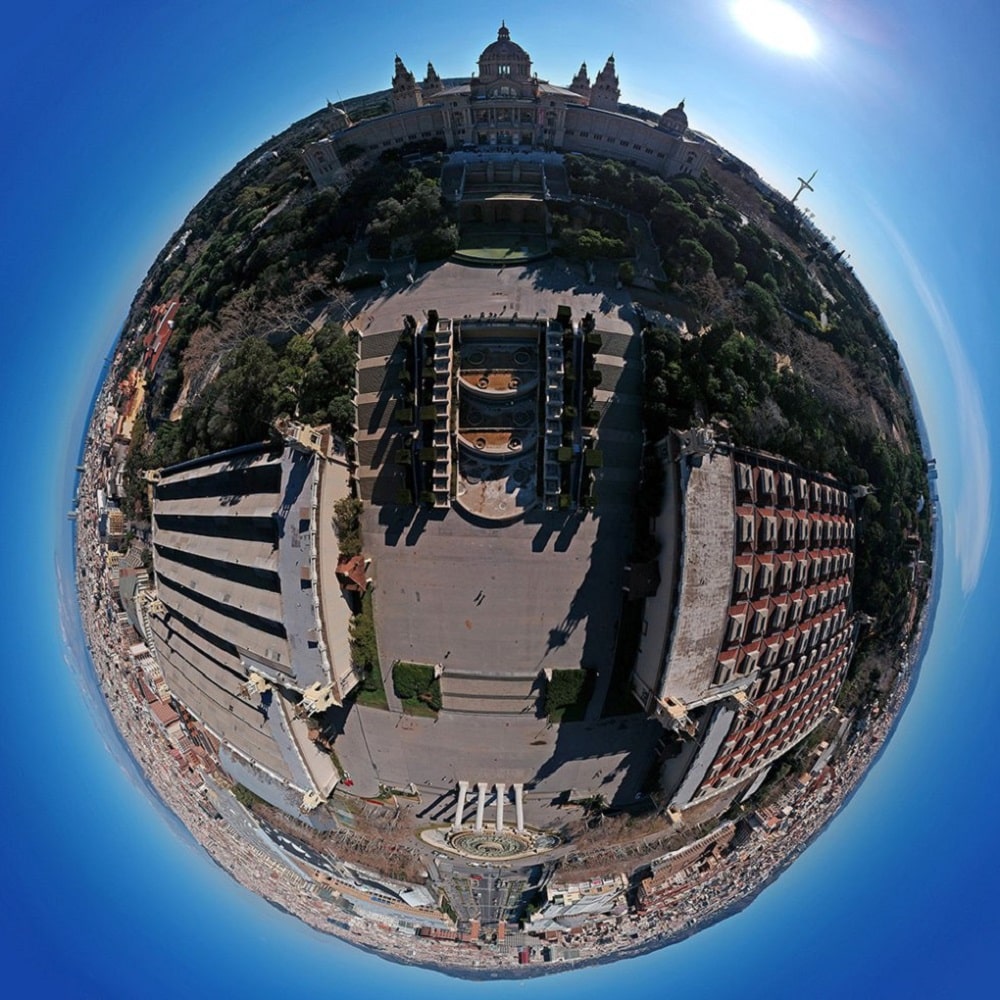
x,y
777,25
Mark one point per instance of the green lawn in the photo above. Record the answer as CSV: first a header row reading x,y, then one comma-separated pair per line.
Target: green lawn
x,y
373,696
364,652
500,246
413,706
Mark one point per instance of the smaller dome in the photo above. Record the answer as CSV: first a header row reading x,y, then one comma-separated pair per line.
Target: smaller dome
x,y
675,120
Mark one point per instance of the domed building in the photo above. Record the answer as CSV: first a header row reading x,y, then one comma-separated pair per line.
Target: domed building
x,y
446,612
506,107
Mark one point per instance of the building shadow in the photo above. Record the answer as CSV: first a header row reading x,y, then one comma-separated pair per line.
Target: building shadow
x,y
555,274
388,390
621,750
394,518
568,531
422,517
562,524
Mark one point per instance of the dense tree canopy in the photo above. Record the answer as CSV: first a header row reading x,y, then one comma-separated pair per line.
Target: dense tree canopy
x,y
258,383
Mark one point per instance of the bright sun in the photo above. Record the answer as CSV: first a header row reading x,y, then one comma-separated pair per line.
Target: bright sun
x,y
777,25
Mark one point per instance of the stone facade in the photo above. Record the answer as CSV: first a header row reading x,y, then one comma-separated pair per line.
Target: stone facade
x,y
505,106
246,627
749,638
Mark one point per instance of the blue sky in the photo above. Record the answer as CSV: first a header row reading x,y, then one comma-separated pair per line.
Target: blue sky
x,y
117,118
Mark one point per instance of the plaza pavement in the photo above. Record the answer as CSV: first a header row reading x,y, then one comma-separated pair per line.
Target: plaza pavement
x,y
514,600
607,757
458,290
497,605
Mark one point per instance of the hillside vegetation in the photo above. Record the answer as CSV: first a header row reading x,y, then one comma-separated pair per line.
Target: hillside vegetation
x,y
772,339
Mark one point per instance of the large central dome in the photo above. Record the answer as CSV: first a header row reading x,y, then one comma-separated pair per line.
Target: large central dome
x,y
504,58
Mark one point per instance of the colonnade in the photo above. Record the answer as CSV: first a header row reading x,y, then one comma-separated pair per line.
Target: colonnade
x,y
483,790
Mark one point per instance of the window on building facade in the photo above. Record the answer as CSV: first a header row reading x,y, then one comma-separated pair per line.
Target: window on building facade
x,y
734,632
723,673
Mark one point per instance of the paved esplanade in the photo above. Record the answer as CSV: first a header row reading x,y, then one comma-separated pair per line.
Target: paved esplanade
x,y
507,601
543,603
496,606
457,290
587,757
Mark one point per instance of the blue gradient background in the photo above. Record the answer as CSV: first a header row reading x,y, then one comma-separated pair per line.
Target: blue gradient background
x,y
117,117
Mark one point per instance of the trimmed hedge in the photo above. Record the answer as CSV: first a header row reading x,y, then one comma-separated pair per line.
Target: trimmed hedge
x,y
567,694
415,683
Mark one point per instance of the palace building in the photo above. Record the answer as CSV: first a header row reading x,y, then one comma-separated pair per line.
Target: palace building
x,y
506,107
497,457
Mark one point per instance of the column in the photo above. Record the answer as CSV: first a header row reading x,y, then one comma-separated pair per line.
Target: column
x,y
519,805
480,805
463,788
501,795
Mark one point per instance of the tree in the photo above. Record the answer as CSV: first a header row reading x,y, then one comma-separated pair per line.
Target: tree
x,y
242,406
586,244
762,305
245,797
672,221
327,336
442,241
339,360
691,260
341,415
347,524
722,245
410,680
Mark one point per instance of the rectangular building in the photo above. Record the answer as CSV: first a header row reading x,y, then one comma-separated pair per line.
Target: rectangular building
x,y
749,638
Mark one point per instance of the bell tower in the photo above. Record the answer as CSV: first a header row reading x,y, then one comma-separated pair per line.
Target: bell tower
x,y
605,92
432,82
406,94
581,82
